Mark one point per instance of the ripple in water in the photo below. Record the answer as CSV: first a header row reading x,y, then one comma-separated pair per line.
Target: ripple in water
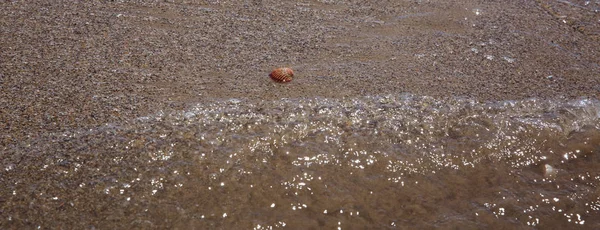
x,y
376,162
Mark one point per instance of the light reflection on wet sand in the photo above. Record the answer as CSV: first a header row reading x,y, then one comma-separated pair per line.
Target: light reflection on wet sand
x,y
379,162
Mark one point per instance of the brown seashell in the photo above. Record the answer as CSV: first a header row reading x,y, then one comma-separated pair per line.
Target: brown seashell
x,y
282,75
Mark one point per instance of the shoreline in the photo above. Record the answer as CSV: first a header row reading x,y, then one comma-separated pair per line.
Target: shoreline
x,y
69,66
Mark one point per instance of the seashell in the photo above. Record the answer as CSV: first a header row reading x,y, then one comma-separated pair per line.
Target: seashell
x,y
282,75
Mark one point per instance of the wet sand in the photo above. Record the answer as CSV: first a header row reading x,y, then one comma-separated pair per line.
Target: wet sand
x,y
67,65
72,65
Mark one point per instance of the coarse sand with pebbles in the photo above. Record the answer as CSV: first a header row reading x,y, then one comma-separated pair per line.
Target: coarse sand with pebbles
x,y
105,69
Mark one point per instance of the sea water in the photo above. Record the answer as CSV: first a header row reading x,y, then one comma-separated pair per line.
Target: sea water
x,y
393,161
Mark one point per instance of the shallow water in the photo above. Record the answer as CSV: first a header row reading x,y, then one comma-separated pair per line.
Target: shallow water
x,y
329,157
396,161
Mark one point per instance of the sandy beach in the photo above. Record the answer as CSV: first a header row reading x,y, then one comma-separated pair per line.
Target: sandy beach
x,y
79,65
73,65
